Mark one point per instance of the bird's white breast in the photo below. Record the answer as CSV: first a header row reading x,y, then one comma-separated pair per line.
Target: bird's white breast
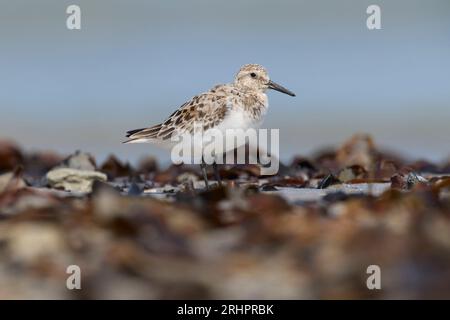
x,y
240,117
237,121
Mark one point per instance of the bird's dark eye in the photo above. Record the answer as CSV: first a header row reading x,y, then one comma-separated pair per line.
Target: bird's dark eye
x,y
253,75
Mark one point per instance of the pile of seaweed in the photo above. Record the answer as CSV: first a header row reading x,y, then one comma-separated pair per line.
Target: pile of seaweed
x,y
146,232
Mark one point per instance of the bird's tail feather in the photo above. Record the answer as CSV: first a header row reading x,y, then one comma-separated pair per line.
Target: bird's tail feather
x,y
131,132
143,134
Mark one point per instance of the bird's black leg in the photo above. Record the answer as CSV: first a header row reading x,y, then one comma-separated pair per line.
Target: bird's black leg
x,y
217,173
205,176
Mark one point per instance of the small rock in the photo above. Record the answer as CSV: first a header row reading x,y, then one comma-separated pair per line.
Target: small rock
x,y
351,173
359,150
114,168
385,169
73,179
10,156
37,164
303,165
187,177
28,242
406,181
147,165
11,181
80,161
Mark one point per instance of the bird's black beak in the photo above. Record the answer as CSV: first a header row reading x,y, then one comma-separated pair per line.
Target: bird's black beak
x,y
275,86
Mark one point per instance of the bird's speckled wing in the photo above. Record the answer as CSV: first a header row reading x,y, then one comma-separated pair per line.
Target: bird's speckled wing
x,y
209,109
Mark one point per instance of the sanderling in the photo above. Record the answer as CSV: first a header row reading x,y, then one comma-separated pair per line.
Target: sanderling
x,y
238,105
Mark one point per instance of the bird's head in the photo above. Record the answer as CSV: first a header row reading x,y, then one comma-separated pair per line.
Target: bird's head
x,y
254,77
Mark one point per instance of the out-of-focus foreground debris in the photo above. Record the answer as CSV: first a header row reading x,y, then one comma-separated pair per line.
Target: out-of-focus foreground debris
x,y
148,232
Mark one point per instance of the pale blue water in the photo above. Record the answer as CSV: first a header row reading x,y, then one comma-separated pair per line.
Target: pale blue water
x,y
134,62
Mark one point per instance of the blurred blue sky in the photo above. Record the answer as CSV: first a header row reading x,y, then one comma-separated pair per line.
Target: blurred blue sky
x,y
134,62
